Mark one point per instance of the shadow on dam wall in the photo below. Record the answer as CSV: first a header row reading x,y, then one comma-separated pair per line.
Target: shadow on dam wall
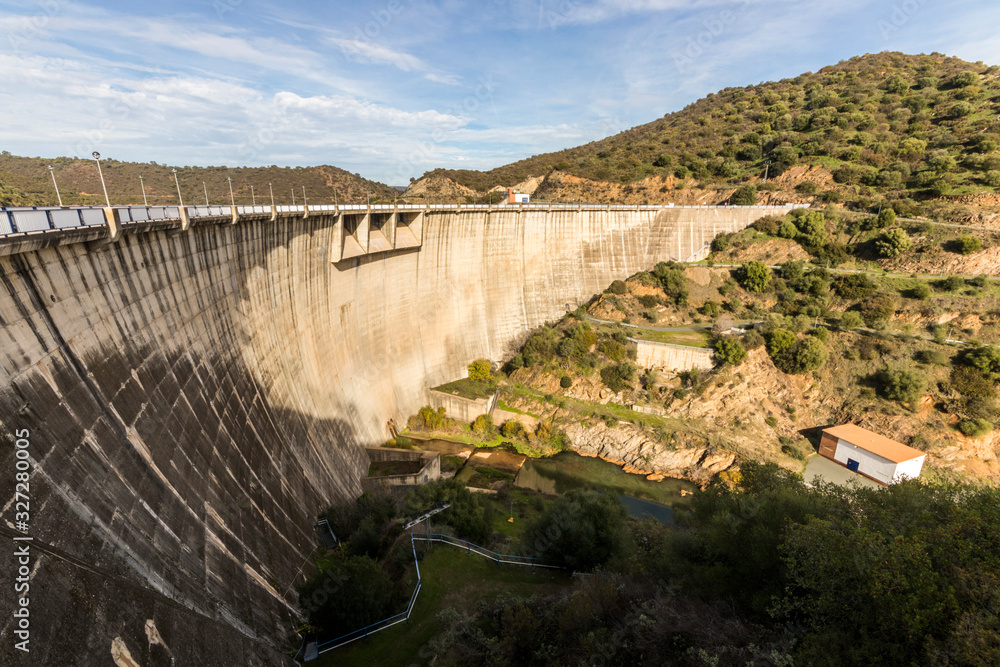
x,y
192,397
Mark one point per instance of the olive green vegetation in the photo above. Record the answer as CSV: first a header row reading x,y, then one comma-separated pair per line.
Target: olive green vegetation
x,y
888,125
25,181
768,572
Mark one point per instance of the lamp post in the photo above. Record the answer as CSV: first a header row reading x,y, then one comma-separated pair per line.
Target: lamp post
x,y
177,183
293,196
335,202
303,195
253,197
53,173
272,193
205,188
143,186
97,159
232,199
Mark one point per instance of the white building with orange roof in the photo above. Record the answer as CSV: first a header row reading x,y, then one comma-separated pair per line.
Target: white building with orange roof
x,y
870,454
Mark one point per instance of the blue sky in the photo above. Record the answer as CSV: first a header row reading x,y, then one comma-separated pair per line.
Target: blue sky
x,y
393,88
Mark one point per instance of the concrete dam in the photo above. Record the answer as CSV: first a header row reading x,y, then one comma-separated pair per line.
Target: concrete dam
x,y
191,385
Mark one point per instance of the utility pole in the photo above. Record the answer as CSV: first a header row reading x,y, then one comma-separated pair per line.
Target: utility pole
x,y
97,158
143,186
232,199
253,197
293,196
205,188
272,193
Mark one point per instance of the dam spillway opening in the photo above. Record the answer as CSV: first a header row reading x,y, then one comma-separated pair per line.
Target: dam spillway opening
x,y
194,390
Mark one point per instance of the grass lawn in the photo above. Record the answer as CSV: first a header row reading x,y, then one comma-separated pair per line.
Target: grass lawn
x,y
451,578
467,388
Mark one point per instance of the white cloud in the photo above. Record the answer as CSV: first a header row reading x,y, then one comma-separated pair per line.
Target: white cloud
x,y
365,51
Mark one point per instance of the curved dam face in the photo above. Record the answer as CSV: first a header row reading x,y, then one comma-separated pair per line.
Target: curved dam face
x,y
192,397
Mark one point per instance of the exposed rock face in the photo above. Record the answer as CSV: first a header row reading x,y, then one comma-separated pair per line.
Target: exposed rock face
x,y
626,445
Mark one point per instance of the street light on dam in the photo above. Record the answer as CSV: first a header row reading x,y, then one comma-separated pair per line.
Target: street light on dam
x,y
143,186
179,198
97,159
56,185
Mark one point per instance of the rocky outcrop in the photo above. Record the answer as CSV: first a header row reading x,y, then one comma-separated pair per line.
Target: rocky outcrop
x,y
626,445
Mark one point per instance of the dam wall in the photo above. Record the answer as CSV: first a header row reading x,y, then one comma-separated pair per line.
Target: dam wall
x,y
196,390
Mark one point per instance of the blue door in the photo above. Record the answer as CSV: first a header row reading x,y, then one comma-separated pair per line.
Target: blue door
x,y
852,465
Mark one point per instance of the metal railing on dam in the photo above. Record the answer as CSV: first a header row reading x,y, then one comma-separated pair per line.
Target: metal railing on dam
x,y
34,219
358,230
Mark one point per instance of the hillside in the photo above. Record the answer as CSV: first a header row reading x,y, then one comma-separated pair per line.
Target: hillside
x,y
906,128
870,332
25,181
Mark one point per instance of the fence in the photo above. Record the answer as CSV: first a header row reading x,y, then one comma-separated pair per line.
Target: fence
x,y
469,547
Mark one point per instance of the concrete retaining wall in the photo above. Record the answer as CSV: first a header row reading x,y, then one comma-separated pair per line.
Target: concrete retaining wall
x,y
194,398
673,358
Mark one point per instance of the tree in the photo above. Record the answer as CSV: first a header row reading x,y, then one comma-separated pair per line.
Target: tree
x,y
617,287
745,195
470,514
483,426
480,370
812,230
619,376
886,218
806,355
975,428
730,351
779,340
580,530
364,595
754,277
892,243
903,385
565,382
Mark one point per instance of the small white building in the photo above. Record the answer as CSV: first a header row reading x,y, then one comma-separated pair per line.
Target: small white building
x,y
517,197
870,454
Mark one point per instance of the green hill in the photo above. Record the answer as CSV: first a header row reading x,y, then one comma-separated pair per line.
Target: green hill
x,y
891,124
25,181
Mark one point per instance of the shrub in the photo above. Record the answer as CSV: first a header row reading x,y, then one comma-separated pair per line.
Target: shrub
x,y
480,370
975,428
512,428
851,320
920,291
730,351
617,287
877,310
771,421
966,245
619,376
565,382
648,301
806,355
903,385
855,286
673,281
791,270
931,357
722,241
754,277
972,383
745,195
431,418
483,427
986,359
892,243
615,350
886,218
768,224
952,283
